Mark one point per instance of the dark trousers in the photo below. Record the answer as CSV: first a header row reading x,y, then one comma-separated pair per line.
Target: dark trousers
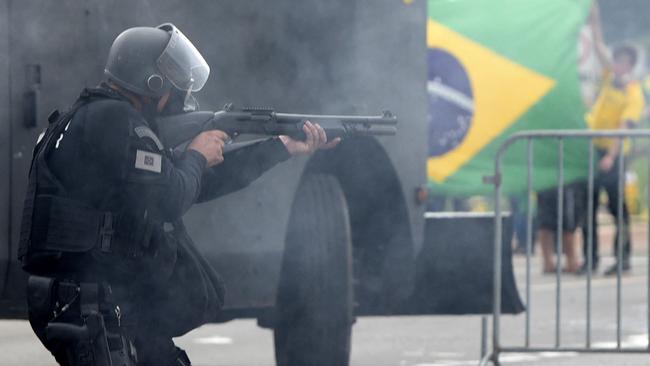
x,y
153,348
608,181
155,307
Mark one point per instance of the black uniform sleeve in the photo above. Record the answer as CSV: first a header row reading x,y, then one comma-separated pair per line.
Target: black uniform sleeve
x,y
241,167
169,192
151,181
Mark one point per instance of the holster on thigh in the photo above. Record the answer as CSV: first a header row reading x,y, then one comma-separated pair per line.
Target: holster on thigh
x,y
79,322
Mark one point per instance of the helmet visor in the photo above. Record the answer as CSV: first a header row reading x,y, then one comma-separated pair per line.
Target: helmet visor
x,y
182,63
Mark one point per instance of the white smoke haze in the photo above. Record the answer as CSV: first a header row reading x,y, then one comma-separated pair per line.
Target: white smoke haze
x,y
335,57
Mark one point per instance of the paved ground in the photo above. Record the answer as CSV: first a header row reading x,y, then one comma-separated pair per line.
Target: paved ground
x,y
427,340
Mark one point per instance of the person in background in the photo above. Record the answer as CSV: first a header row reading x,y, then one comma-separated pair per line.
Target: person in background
x,y
572,218
619,106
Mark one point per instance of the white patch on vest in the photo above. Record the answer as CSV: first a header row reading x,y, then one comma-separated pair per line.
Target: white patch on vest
x,y
146,160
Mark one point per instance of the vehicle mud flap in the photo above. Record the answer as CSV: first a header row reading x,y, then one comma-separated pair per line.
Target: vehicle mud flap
x,y
454,269
313,322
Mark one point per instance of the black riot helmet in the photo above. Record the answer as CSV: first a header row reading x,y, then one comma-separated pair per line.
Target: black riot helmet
x,y
151,61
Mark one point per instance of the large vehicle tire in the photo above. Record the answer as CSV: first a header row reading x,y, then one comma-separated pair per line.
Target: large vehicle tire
x,y
314,309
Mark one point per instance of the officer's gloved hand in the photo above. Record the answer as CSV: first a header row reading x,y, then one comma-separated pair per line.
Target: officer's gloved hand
x,y
316,138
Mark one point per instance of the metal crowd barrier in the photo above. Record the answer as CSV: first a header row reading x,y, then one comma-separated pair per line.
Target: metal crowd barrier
x,y
560,136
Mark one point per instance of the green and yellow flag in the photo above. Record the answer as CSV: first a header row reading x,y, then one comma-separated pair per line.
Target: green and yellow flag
x,y
497,67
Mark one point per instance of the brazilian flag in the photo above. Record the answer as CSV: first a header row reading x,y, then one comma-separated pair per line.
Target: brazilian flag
x,y
497,67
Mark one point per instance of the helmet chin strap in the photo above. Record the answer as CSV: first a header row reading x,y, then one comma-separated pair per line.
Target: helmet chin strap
x,y
190,103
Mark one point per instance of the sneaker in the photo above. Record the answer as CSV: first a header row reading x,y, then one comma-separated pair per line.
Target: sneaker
x,y
611,271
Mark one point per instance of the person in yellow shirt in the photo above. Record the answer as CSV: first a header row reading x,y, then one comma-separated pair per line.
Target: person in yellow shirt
x,y
619,105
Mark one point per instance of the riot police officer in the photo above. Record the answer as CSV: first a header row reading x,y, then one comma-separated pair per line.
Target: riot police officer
x,y
114,275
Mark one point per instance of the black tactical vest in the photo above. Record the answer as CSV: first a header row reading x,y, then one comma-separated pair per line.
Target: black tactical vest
x,y
56,227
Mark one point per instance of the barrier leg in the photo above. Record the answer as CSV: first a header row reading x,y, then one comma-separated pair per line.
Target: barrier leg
x,y
484,336
485,360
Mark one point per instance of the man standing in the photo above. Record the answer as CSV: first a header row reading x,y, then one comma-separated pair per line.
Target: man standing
x,y
619,106
114,274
